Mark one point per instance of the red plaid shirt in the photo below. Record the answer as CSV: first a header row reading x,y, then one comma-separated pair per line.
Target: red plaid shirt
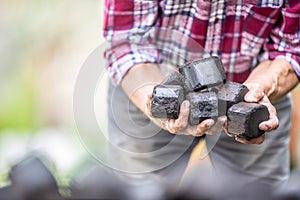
x,y
241,32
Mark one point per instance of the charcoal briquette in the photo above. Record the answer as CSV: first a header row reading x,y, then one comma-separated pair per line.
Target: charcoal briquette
x,y
203,105
203,73
174,78
229,94
244,119
166,101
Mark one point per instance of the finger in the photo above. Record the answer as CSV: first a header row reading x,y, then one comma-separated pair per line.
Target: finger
x,y
270,124
255,93
273,121
164,123
258,140
168,124
218,126
226,130
181,122
183,118
227,133
203,127
171,127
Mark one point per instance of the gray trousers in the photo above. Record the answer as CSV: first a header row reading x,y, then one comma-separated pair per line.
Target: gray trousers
x,y
138,147
267,163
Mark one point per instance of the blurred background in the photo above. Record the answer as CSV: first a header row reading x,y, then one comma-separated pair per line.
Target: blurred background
x,y
43,44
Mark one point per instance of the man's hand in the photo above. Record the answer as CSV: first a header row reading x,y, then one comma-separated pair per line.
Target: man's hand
x,y
269,81
180,126
257,95
276,78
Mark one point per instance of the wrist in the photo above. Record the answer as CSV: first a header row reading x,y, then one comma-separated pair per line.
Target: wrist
x,y
276,77
140,96
140,81
264,77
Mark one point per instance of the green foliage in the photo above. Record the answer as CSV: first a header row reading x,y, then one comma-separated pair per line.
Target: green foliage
x,y
17,106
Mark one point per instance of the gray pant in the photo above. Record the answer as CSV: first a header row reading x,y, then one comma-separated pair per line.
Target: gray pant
x,y
267,163
139,147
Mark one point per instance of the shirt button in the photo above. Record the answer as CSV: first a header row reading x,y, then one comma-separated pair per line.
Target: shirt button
x,y
216,20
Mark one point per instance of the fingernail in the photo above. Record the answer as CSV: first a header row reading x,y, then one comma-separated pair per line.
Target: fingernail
x,y
186,103
249,97
238,139
265,127
222,118
209,124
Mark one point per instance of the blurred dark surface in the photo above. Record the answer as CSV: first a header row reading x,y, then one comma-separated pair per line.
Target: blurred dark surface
x,y
31,179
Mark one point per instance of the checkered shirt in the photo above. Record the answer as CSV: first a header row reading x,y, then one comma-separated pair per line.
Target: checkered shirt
x,y
241,32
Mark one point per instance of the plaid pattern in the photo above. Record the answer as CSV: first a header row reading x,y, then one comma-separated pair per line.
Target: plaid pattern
x,y
241,32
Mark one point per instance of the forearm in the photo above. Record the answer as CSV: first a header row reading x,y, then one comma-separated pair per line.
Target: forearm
x,y
277,78
140,81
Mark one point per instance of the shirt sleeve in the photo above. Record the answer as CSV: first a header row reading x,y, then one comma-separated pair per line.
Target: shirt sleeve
x,y
129,28
284,39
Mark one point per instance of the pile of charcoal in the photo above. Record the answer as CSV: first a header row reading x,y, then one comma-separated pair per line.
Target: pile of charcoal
x,y
203,83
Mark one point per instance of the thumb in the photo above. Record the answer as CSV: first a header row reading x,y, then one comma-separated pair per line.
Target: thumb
x,y
255,94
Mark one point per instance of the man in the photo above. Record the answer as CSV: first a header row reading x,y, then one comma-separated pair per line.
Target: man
x,y
258,42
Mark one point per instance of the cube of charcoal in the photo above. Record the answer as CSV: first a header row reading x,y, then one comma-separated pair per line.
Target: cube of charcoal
x,y
204,73
229,94
174,78
203,105
166,101
244,118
